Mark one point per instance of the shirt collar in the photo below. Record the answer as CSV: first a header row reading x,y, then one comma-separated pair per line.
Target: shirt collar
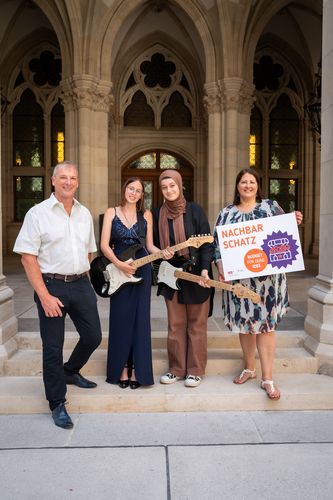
x,y
53,202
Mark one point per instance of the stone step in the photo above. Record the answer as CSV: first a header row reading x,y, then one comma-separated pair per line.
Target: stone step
x,y
216,339
220,361
29,323
23,395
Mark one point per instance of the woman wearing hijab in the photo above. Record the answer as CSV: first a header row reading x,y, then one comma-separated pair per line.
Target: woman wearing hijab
x,y
188,308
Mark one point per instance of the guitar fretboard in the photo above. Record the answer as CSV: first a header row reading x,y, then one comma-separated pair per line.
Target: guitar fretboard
x,y
159,255
239,290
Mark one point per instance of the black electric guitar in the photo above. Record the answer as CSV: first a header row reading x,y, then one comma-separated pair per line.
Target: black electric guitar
x,y
169,275
107,279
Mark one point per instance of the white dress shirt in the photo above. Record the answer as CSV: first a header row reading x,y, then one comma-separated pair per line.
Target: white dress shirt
x,y
61,242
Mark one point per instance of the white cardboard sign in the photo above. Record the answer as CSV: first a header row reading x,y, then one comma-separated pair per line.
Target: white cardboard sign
x,y
260,247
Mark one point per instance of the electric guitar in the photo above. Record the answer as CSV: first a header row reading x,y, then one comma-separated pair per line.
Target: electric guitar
x,y
107,279
169,275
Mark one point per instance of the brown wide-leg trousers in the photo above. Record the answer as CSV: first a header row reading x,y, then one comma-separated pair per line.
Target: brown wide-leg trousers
x,y
187,337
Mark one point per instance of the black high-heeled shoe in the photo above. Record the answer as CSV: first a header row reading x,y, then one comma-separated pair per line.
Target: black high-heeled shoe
x,y
134,384
123,384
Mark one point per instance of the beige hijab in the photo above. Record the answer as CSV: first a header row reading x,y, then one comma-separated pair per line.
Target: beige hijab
x,y
173,210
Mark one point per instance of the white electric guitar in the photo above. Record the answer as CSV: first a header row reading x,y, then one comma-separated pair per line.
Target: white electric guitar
x,y
169,275
107,279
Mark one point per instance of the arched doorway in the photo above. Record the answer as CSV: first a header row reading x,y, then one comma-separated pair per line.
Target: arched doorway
x,y
150,165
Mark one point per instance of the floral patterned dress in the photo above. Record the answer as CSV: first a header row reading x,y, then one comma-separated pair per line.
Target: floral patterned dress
x,y
242,315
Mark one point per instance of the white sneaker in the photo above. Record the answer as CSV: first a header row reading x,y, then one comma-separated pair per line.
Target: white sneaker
x,y
192,381
169,378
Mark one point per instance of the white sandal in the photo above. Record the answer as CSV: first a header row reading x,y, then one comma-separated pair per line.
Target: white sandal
x,y
251,374
270,383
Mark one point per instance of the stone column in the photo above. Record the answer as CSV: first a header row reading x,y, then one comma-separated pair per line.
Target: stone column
x,y
228,103
237,98
87,102
212,103
319,319
8,320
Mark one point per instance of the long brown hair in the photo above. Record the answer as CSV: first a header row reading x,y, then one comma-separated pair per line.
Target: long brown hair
x,y
251,171
140,204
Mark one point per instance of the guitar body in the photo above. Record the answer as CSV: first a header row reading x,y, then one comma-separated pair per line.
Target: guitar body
x,y
166,275
106,278
117,279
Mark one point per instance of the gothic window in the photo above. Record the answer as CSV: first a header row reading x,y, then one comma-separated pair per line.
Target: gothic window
x,y
147,161
28,132
157,93
176,114
267,74
28,191
57,134
256,139
139,114
283,136
158,71
274,147
38,131
46,69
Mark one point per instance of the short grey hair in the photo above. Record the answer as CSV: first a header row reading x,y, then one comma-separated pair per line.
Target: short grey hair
x,y
64,164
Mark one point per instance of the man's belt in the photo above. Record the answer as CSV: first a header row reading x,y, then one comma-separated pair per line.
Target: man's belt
x,y
65,277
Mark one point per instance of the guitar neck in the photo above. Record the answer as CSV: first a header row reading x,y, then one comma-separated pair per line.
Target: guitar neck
x,y
158,255
195,279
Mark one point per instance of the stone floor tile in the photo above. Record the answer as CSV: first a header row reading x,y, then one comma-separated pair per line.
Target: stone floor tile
x,y
84,474
305,426
252,472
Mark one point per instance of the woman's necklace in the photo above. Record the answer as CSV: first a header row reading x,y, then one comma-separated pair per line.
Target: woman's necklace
x,y
130,221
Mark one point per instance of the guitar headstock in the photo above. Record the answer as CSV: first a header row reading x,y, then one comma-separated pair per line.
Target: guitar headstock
x,y
200,239
243,292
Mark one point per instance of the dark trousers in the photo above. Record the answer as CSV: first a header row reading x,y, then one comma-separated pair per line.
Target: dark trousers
x,y
80,303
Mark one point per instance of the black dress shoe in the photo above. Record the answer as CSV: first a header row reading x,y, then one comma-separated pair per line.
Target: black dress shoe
x,y
134,384
123,383
61,417
79,381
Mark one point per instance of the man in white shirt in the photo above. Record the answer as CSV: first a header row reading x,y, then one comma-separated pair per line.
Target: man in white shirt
x,y
56,242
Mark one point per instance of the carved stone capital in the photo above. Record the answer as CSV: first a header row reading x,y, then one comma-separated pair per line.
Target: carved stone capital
x,y
85,91
212,98
237,94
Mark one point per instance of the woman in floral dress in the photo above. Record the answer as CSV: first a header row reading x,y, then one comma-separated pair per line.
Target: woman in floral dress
x,y
255,323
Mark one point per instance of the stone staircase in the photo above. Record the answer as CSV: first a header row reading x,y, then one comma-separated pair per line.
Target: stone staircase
x,y
295,370
21,388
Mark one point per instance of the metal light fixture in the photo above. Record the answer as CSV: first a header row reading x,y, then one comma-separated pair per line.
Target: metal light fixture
x,y
313,106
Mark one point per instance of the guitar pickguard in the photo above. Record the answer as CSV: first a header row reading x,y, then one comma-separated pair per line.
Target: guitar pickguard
x,y
167,277
117,278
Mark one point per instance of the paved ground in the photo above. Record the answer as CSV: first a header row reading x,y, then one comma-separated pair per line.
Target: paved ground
x,y
213,456
168,456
